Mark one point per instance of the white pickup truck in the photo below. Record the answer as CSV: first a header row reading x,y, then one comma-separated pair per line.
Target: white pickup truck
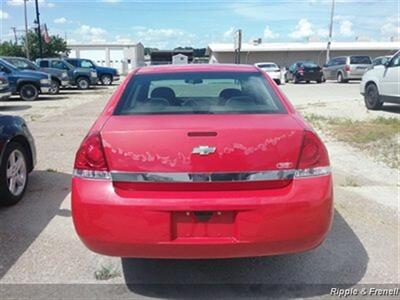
x,y
382,83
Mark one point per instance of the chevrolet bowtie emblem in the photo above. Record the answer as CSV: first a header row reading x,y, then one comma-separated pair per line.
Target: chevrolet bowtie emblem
x,y
203,150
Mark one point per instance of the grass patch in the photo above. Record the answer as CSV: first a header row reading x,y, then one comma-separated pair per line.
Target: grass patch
x,y
51,170
379,137
106,273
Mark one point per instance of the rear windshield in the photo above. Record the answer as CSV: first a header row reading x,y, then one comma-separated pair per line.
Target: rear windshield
x,y
194,93
309,64
360,60
267,66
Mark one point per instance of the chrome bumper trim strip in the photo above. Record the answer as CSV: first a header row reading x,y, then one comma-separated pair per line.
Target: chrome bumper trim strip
x,y
203,177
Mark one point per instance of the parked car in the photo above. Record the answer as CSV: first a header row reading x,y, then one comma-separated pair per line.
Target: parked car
x,y
28,84
59,78
304,71
381,84
5,91
201,161
272,69
80,77
380,60
106,75
17,158
345,68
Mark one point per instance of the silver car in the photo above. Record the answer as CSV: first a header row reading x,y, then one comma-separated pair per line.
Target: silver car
x,y
345,68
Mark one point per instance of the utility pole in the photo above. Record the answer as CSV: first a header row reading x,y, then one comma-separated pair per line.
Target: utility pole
x,y
328,48
237,45
38,29
15,34
26,30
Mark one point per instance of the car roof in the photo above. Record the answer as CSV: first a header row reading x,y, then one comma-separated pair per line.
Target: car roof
x,y
196,68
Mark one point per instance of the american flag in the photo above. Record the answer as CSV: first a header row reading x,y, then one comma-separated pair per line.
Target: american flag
x,y
45,34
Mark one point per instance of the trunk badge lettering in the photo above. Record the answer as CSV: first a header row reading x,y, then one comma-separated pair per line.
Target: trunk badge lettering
x,y
203,150
284,165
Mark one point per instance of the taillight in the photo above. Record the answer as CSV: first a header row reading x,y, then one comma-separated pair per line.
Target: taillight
x,y
347,68
90,160
314,159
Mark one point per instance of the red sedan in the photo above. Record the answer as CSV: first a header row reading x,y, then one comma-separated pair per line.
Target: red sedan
x,y
201,161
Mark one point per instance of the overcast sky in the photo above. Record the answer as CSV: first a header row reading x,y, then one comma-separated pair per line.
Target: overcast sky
x,y
168,24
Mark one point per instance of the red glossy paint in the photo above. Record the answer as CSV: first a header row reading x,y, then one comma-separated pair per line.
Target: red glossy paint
x,y
160,220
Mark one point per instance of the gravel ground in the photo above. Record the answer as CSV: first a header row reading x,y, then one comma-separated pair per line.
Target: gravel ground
x,y
38,244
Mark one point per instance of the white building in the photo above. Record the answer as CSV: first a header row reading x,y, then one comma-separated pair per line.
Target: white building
x,y
285,54
123,57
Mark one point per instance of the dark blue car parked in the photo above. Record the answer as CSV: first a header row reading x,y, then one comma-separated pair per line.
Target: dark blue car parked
x,y
28,84
106,75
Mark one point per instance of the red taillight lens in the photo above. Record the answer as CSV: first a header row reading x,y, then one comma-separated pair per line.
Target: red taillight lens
x,y
347,68
90,155
313,153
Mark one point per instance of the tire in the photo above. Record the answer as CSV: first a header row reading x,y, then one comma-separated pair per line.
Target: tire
x,y
278,82
28,92
106,79
340,78
55,87
83,83
371,97
307,81
320,80
15,161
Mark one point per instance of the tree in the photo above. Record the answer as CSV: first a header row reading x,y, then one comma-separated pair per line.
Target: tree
x,y
56,46
11,49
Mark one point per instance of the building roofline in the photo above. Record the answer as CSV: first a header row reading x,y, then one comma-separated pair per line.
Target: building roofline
x,y
312,46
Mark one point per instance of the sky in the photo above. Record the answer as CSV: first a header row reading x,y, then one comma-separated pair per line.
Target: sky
x,y
169,24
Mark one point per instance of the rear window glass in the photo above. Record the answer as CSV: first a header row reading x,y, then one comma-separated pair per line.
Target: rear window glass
x,y
194,93
309,64
44,64
267,66
359,60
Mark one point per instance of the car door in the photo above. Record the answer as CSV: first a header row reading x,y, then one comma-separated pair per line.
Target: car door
x,y
389,85
58,64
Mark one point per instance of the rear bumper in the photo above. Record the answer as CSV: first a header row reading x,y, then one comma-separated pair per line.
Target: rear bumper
x,y
310,76
275,75
5,94
45,89
350,76
162,225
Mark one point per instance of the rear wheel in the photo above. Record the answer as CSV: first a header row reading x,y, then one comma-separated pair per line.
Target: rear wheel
x,y
278,82
54,87
13,174
28,92
340,78
371,97
83,83
307,81
106,79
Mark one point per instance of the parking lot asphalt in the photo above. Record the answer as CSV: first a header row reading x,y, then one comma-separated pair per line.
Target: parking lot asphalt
x,y
38,244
